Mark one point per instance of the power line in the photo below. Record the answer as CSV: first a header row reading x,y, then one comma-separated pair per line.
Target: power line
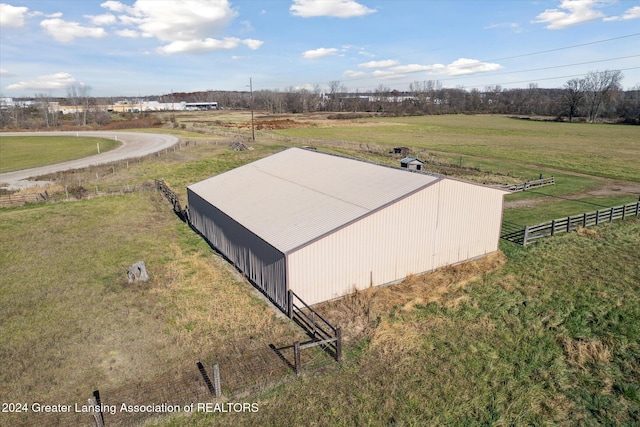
x,y
548,78
523,71
370,77
566,47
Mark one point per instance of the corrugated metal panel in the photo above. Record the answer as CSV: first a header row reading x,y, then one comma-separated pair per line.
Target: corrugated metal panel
x,y
469,221
380,248
294,196
263,264
445,223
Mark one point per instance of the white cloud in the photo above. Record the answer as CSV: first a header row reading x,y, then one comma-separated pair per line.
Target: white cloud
x,y
333,8
468,66
633,13
182,21
5,73
387,74
114,6
458,67
128,33
104,19
411,68
513,26
320,53
56,81
12,16
352,73
206,45
378,64
66,31
189,26
571,12
252,44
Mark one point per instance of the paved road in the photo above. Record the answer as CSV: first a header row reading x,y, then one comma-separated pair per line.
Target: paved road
x,y
133,145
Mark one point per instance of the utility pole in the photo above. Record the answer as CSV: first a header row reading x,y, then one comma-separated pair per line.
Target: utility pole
x,y
253,133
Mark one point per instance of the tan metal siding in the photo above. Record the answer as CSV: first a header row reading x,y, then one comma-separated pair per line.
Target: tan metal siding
x,y
445,223
468,222
380,248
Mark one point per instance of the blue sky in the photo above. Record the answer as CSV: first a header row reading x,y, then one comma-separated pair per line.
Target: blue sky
x,y
154,47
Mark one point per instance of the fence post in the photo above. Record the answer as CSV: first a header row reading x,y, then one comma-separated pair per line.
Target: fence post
x,y
216,380
553,227
338,345
584,220
290,304
637,207
568,224
97,404
597,217
296,356
205,377
526,235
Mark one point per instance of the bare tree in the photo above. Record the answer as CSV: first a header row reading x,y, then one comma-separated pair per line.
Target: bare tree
x,y
629,107
598,87
573,97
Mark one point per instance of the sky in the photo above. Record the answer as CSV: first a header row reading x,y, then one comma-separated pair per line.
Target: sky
x,y
155,47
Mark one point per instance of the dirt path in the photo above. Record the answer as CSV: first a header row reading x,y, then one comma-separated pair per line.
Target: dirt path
x,y
609,187
133,145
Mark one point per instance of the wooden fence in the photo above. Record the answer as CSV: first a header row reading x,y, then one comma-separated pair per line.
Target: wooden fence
x,y
530,184
531,233
173,198
321,332
70,193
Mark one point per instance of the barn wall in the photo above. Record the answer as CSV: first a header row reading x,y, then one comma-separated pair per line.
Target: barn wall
x,y
445,223
260,262
469,222
380,248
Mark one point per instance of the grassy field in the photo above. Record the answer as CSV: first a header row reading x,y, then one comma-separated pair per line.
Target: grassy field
x,y
23,152
602,150
72,324
552,337
546,334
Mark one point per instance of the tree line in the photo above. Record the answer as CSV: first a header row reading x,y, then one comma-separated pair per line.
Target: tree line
x,y
595,97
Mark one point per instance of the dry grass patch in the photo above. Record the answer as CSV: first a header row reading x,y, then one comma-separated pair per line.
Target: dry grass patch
x,y
582,352
358,312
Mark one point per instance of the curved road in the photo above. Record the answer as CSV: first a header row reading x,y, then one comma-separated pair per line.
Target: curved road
x,y
133,145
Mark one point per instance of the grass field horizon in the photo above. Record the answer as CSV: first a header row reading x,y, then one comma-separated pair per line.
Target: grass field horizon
x,y
547,334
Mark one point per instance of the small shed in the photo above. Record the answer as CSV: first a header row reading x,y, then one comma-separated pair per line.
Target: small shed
x,y
404,151
324,225
411,163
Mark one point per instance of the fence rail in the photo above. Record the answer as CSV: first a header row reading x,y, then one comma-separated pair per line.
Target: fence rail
x,y
69,193
531,233
173,198
530,184
321,332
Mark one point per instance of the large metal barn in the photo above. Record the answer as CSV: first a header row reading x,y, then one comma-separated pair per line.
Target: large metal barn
x,y
324,225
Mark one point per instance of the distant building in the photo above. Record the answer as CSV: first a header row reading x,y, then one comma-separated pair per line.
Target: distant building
x,y
403,151
411,163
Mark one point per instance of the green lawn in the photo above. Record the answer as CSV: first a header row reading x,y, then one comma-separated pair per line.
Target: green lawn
x,y
23,152
551,338
610,151
556,209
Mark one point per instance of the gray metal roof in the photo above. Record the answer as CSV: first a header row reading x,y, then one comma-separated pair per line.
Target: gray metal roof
x,y
295,196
